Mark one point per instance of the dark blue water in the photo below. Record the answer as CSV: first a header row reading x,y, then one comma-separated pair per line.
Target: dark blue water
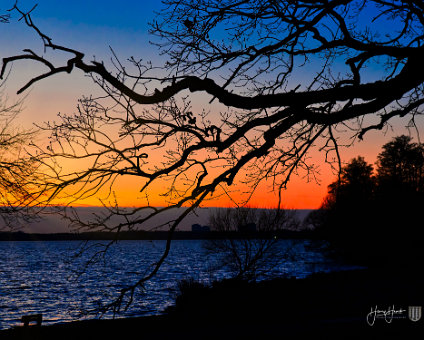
x,y
44,277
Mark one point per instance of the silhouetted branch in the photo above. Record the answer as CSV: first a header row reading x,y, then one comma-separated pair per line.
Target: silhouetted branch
x,y
252,248
16,171
283,75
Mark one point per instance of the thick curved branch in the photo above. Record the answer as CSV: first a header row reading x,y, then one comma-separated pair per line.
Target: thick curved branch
x,y
273,118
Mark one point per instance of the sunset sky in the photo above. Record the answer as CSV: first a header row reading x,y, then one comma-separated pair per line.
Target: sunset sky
x,y
91,27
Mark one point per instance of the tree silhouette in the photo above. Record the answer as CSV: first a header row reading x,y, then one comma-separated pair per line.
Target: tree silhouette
x,y
346,215
356,184
284,75
400,194
16,196
364,216
18,175
349,197
400,165
251,248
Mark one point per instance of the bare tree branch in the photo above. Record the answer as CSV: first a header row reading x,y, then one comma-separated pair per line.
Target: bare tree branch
x,y
287,75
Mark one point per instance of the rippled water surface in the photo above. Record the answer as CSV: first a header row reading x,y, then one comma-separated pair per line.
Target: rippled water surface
x,y
45,277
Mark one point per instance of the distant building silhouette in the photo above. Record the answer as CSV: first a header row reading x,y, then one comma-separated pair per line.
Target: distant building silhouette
x,y
199,228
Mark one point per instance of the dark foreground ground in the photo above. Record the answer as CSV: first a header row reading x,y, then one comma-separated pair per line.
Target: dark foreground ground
x,y
323,306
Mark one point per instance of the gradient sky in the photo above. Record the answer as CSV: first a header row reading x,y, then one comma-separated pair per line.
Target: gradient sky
x,y
93,26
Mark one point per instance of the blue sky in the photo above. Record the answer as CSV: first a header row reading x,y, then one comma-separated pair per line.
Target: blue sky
x,y
129,15
91,27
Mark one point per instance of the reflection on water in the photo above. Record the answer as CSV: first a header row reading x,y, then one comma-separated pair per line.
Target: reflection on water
x,y
43,277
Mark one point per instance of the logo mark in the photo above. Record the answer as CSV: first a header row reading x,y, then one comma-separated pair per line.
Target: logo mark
x,y
414,313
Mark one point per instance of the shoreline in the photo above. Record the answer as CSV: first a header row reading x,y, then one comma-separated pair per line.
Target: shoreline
x,y
151,235
327,304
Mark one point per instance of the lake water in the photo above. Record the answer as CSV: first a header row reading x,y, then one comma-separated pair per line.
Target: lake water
x,y
45,277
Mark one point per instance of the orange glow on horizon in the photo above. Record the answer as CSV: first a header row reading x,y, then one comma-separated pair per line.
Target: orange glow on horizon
x,y
301,193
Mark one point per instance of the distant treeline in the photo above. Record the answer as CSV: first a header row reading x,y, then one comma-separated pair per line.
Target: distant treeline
x,y
151,235
375,216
